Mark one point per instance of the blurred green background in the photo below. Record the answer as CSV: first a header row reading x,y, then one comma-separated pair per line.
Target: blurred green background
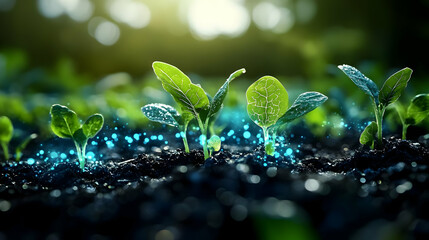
x,y
97,55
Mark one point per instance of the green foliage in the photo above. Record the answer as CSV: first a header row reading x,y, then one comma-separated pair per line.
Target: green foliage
x,y
214,144
6,134
392,89
267,106
368,135
416,112
65,124
192,99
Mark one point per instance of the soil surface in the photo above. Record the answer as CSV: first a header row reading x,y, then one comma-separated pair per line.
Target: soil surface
x,y
237,194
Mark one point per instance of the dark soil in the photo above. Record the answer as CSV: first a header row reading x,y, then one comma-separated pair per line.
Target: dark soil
x,y
360,194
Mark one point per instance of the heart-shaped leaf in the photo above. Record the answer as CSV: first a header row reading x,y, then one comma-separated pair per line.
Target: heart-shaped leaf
x,y
64,122
162,113
394,86
6,129
418,109
189,96
368,135
305,103
267,101
214,143
93,125
216,103
364,83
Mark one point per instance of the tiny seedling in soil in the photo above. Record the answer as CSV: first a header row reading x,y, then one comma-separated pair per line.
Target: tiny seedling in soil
x,y
65,124
214,144
416,112
390,92
267,106
6,134
191,98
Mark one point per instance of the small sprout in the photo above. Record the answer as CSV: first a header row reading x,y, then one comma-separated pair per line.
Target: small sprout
x,y
392,89
417,111
368,135
6,133
267,106
65,124
191,98
168,115
214,144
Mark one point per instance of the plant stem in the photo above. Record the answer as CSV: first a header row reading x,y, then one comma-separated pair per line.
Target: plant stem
x,y
5,150
203,128
404,131
379,113
185,140
80,156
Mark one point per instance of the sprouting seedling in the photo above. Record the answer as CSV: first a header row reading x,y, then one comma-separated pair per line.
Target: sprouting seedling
x,y
213,144
390,92
168,115
267,106
191,97
416,112
65,124
6,134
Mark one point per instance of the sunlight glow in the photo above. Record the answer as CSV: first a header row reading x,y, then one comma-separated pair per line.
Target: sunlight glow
x,y
131,12
104,31
268,16
209,19
78,10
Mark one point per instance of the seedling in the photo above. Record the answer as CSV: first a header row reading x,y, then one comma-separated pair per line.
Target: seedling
x,y
65,124
191,98
267,106
390,92
6,134
214,144
416,112
168,115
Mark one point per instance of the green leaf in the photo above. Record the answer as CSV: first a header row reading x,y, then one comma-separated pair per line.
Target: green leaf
x,y
216,103
23,145
267,101
64,122
368,135
270,148
364,83
80,137
394,86
93,125
214,143
162,113
6,129
305,103
189,96
418,109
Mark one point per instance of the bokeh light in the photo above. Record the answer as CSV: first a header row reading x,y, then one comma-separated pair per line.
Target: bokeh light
x,y
78,10
268,16
131,12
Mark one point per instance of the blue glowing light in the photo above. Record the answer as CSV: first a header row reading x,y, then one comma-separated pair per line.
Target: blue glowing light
x,y
246,134
136,136
31,161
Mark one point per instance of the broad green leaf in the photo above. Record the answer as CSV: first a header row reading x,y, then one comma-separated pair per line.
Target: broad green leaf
x,y
364,83
64,122
189,96
394,86
23,145
214,143
185,118
418,109
368,135
216,103
305,103
162,113
6,129
267,101
93,125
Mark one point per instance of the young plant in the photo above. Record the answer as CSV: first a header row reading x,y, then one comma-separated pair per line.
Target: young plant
x,y
168,115
416,112
191,98
65,124
6,133
267,106
213,144
390,92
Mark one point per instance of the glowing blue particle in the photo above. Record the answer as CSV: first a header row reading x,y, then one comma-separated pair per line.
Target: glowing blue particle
x,y
276,155
110,144
54,154
71,152
246,134
136,136
289,151
153,137
182,134
94,143
202,139
160,137
114,136
31,161
166,142
246,127
222,139
116,128
63,156
230,133
146,140
90,156
177,135
105,138
41,152
258,135
128,139
297,151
